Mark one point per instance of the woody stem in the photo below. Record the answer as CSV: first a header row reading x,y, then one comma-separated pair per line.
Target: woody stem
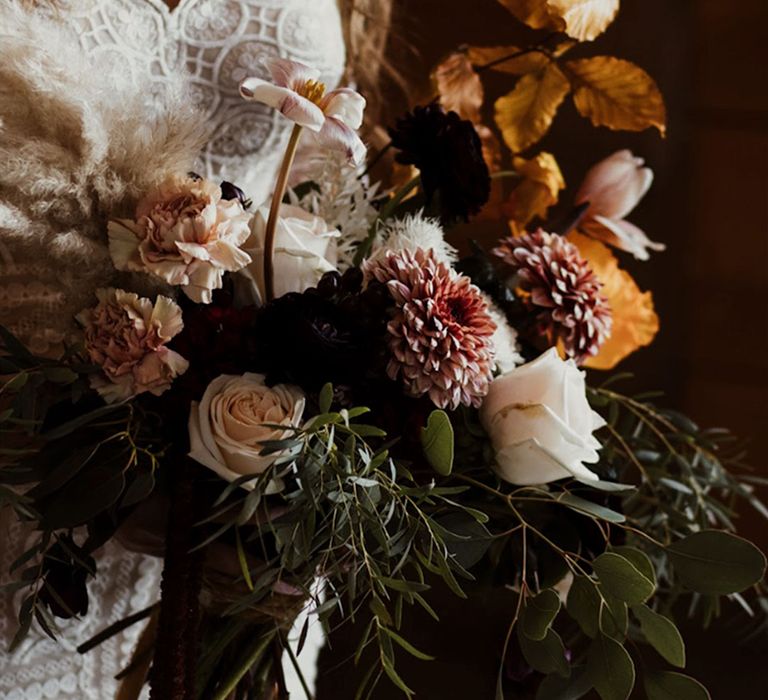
x,y
277,198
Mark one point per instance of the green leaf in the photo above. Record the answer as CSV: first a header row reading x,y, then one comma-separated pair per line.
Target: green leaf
x,y
668,685
412,650
545,656
614,617
621,578
716,563
662,634
610,669
583,605
582,505
538,614
640,560
59,375
607,486
326,397
17,382
557,688
437,442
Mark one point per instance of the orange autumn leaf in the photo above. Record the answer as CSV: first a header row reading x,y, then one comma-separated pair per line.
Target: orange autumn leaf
x,y
458,86
534,13
539,189
635,322
583,19
525,114
494,57
616,93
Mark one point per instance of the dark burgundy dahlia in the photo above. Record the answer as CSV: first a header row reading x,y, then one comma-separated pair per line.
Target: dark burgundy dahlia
x,y
449,154
332,333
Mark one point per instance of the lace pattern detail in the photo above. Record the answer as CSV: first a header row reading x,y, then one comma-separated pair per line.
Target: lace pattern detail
x,y
217,43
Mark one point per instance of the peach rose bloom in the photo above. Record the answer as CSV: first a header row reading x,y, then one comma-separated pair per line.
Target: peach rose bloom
x,y
184,233
125,335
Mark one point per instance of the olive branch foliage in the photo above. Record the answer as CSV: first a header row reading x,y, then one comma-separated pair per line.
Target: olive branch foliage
x,y
632,546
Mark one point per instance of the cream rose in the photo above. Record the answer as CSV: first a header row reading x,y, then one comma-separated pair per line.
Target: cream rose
x,y
184,233
540,422
125,335
305,249
227,427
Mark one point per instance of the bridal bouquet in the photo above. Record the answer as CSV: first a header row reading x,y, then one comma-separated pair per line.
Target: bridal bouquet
x,y
323,405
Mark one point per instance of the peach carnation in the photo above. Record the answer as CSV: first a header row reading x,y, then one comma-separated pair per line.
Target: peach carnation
x,y
125,335
184,233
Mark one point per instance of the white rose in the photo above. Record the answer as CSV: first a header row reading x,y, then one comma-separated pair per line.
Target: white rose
x,y
305,249
540,422
227,427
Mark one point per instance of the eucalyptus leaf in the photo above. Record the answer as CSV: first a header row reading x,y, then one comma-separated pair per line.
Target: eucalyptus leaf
x,y
716,562
325,398
547,655
621,578
610,669
437,442
614,616
539,613
555,687
640,560
662,634
583,605
668,685
582,505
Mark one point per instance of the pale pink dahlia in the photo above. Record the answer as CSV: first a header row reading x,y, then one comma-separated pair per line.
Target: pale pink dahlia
x,y
562,285
440,337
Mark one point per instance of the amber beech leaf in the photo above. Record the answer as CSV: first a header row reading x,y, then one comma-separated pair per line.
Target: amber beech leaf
x,y
584,19
538,190
525,114
616,93
459,86
493,56
534,13
635,322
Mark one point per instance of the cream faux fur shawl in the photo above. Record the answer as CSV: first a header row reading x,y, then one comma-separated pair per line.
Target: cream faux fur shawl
x,y
78,143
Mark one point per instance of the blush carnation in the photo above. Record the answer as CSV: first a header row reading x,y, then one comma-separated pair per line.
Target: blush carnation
x,y
563,288
184,233
125,335
440,336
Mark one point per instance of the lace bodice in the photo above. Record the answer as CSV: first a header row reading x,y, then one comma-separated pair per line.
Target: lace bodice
x,y
215,43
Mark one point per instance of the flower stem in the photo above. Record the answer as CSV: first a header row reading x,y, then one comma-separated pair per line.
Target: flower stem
x,y
386,211
274,210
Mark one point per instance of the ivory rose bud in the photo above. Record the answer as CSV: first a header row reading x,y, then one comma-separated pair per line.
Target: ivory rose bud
x,y
228,426
540,422
612,188
305,249
184,233
125,335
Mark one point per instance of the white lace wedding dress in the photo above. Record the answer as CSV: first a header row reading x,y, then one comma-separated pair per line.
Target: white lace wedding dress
x,y
217,43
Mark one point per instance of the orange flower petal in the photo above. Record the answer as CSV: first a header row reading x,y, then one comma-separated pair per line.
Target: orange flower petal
x,y
635,322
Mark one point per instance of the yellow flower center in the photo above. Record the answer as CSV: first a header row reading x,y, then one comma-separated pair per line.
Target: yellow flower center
x,y
313,90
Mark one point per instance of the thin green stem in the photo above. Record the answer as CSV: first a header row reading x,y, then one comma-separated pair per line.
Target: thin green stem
x,y
274,212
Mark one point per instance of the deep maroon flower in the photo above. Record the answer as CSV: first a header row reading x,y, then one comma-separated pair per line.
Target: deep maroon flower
x,y
331,333
448,152
562,288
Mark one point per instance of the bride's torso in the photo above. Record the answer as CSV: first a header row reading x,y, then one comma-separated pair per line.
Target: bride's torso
x,y
217,43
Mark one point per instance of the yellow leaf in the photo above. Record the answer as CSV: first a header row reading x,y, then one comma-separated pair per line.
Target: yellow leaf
x,y
616,93
635,322
539,189
482,56
534,13
525,114
584,19
459,86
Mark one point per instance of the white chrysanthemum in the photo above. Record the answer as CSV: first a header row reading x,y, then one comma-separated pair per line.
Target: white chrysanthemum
x,y
342,196
504,340
412,233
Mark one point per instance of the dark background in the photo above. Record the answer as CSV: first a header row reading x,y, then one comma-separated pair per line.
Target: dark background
x,y
709,204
